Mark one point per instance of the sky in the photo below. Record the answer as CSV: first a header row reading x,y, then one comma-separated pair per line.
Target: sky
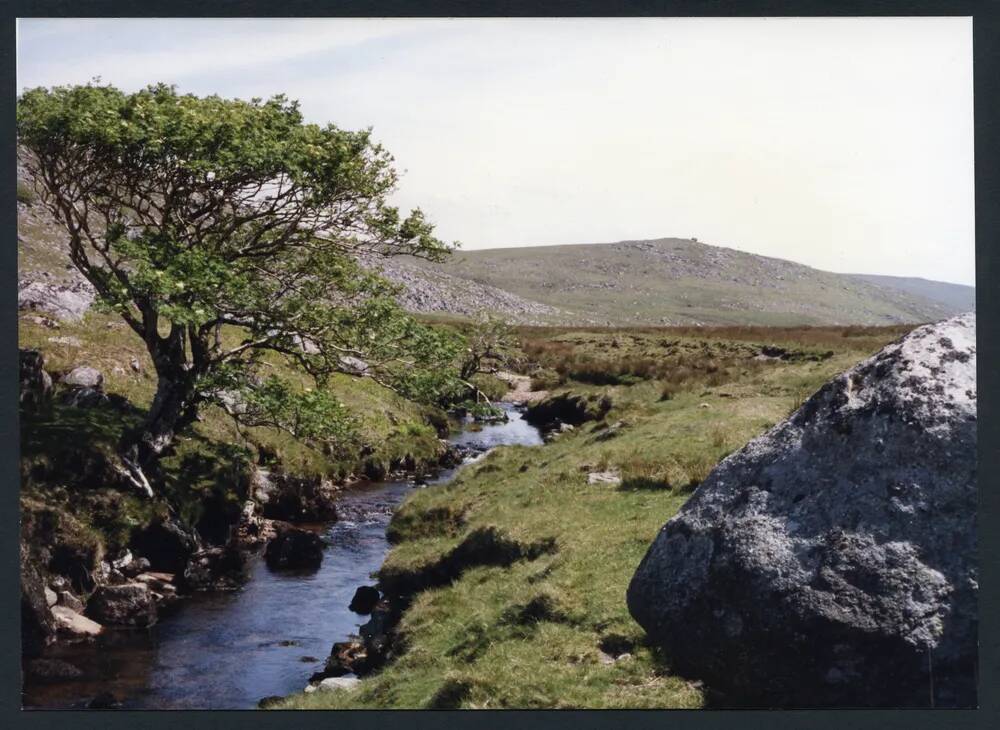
x,y
841,143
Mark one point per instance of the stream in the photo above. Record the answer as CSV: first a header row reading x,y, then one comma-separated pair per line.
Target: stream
x,y
229,650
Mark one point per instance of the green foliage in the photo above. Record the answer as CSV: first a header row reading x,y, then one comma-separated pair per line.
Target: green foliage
x,y
491,344
194,214
481,411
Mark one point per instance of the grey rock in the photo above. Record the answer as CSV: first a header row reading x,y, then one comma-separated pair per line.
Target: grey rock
x,y
166,544
832,560
70,601
128,604
38,625
612,478
62,301
73,626
353,365
292,498
332,684
84,377
365,599
214,569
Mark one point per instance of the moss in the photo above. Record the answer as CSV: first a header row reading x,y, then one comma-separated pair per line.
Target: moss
x,y
25,193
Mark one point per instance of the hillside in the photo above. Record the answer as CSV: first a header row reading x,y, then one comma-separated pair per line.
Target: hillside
x,y
957,296
47,279
666,281
438,291
681,281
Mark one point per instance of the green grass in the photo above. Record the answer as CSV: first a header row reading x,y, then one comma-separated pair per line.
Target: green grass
x,y
531,634
392,426
68,453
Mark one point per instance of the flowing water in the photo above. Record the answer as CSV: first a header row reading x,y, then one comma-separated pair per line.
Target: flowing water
x,y
229,650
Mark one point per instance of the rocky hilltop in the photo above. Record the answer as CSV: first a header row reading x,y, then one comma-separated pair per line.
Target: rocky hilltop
x,y
435,291
832,561
674,281
49,285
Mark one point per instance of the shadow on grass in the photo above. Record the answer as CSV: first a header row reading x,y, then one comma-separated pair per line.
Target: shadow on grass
x,y
635,484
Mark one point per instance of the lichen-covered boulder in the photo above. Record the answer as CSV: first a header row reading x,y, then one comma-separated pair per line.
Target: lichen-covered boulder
x,y
832,560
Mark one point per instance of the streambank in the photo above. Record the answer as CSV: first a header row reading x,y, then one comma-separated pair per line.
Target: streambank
x,y
230,649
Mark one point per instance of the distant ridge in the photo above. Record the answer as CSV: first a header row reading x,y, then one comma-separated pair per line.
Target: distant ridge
x,y
960,297
678,281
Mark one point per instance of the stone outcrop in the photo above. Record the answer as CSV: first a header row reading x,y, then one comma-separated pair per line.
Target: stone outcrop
x,y
428,289
832,560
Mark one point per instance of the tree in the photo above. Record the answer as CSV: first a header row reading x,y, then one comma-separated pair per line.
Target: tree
x,y
489,347
220,230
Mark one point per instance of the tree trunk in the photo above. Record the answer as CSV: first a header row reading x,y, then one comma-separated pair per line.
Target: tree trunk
x,y
166,416
172,410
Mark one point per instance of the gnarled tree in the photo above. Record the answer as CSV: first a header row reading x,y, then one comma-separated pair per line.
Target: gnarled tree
x,y
220,230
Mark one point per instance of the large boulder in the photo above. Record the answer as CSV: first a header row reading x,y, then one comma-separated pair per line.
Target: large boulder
x,y
832,561
365,599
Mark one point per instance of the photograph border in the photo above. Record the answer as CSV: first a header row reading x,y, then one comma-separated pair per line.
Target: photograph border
x,y
986,49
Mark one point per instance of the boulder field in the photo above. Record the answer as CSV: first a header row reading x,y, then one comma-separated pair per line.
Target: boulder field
x,y
832,560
